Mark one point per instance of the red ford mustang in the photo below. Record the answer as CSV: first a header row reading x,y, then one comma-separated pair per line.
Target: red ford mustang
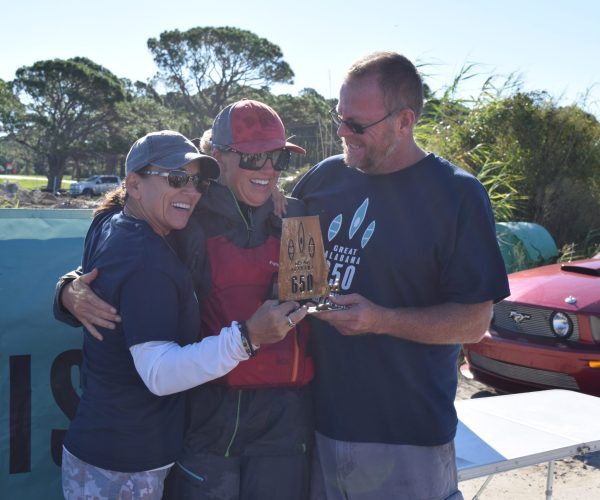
x,y
546,334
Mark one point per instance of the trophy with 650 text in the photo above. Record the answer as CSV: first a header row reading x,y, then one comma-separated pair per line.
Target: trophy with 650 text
x,y
302,266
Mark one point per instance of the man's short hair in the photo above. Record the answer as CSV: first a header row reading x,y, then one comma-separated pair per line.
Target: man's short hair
x,y
397,76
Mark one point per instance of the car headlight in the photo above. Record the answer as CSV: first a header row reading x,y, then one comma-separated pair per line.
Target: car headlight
x,y
561,325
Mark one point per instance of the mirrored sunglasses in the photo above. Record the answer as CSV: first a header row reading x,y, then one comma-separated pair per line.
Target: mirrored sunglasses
x,y
280,159
179,178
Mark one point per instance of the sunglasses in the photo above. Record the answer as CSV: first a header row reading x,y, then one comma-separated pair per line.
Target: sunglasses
x,y
179,178
255,161
357,128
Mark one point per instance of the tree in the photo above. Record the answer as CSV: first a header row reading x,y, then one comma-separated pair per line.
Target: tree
x,y
555,150
306,117
541,161
10,107
68,109
211,67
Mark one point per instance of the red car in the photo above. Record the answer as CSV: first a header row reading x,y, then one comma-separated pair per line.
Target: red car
x,y
546,334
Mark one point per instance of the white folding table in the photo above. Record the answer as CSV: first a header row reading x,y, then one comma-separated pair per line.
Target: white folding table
x,y
501,433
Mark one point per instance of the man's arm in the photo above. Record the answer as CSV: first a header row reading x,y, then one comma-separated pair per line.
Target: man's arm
x,y
76,304
448,323
60,313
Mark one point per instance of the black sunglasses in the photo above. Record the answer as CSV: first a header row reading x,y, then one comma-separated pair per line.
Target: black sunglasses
x,y
179,178
280,159
357,128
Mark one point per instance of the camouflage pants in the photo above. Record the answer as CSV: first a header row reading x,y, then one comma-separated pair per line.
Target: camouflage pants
x,y
82,481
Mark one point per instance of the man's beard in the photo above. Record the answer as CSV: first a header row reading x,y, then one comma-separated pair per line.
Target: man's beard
x,y
373,161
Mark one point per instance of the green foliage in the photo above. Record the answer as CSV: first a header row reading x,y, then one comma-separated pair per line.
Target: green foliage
x,y
291,178
554,153
68,107
441,129
539,161
307,121
589,247
210,67
10,106
143,111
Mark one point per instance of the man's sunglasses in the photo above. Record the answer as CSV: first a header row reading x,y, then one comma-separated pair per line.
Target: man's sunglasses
x,y
357,128
179,178
255,161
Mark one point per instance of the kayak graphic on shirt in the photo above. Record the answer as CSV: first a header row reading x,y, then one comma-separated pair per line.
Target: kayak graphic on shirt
x,y
334,227
359,217
367,234
357,221
343,258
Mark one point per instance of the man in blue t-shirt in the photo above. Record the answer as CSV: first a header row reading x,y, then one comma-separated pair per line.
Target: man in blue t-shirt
x,y
411,240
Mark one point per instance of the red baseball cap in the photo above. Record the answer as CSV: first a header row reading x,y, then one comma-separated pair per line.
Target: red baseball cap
x,y
251,127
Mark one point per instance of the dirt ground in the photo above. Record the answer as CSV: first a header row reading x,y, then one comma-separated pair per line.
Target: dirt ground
x,y
576,478
13,197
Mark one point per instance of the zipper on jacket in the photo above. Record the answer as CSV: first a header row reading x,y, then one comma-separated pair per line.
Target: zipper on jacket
x,y
248,222
295,356
237,423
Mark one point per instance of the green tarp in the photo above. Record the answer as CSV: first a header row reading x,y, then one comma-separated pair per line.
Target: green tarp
x,y
39,356
525,245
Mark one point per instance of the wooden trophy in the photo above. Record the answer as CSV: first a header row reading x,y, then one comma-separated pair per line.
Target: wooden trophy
x,y
302,266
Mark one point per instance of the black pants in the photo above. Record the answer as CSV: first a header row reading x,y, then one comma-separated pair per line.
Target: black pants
x,y
245,445
240,478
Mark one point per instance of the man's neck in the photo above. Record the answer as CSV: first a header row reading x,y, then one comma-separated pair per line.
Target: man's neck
x,y
403,158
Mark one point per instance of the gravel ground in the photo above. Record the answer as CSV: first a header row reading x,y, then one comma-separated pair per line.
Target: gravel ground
x,y
13,197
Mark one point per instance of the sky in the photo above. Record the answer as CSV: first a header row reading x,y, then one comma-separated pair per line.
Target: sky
x,y
550,45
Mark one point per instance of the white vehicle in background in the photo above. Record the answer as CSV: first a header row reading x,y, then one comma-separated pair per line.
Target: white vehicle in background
x,y
95,185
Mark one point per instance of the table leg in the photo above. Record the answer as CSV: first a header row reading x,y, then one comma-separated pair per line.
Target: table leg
x,y
550,480
483,486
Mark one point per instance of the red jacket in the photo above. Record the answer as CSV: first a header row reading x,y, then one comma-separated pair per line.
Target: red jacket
x,y
239,268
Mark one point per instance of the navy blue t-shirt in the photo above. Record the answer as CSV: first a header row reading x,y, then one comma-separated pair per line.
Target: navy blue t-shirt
x,y
120,425
421,236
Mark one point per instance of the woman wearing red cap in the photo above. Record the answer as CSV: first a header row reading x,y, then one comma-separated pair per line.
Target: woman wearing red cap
x,y
250,433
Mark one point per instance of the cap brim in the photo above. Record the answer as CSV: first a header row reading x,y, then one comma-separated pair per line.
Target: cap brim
x,y
295,148
253,147
208,165
209,168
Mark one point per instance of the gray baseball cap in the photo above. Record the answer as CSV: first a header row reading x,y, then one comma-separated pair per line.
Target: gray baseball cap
x,y
169,150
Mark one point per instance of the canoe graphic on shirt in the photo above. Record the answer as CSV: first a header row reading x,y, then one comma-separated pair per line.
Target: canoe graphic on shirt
x,y
367,234
334,227
359,217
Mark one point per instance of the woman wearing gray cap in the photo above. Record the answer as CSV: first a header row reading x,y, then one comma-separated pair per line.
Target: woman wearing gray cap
x,y
128,429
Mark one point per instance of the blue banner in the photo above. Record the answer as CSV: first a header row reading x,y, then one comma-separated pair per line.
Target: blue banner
x,y
39,357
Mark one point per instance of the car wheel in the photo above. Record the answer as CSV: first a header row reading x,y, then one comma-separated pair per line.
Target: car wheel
x,y
87,192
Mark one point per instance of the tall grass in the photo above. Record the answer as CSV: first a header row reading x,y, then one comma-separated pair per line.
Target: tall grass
x,y
442,130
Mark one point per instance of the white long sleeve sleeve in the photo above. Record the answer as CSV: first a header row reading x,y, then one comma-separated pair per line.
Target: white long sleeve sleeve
x,y
167,367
